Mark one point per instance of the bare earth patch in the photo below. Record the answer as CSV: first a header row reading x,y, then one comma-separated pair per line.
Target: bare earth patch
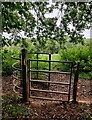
x,y
42,109
84,88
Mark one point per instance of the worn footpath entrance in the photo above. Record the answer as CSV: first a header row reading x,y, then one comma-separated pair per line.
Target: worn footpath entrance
x,y
35,82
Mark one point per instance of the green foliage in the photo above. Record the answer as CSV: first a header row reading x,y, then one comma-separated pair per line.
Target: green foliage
x,y
74,15
52,46
78,53
7,61
55,65
19,17
12,107
86,75
16,18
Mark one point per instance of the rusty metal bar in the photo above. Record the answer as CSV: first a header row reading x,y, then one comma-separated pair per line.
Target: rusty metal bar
x,y
38,53
40,67
45,98
47,71
49,91
16,78
13,66
51,82
51,61
13,56
14,83
17,92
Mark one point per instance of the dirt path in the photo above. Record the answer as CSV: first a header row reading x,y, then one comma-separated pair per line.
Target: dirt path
x,y
43,110
84,88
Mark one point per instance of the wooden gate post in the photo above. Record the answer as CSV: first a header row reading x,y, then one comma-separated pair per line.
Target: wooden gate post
x,y
37,65
25,81
49,68
28,75
76,74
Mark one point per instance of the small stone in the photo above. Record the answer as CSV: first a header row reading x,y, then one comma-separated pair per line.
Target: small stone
x,y
54,116
84,90
36,114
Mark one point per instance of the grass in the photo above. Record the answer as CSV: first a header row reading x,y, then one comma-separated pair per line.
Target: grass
x,y
46,57
55,57
85,75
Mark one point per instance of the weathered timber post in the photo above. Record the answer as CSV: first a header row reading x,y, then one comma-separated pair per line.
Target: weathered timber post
x,y
49,68
76,74
37,65
71,66
20,56
24,72
28,74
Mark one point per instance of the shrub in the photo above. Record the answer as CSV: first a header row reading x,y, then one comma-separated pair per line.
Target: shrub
x,y
78,53
7,61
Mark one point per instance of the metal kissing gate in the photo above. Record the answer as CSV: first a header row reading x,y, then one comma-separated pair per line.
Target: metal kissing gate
x,y
24,83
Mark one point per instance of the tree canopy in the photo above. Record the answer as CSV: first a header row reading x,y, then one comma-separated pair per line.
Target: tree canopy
x,y
31,17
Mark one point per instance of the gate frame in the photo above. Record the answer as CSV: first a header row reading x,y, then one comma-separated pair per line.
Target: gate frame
x,y
25,75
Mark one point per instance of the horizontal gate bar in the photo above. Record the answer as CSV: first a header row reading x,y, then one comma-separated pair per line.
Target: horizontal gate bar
x,y
47,71
43,81
49,91
51,61
38,53
45,98
40,67
50,99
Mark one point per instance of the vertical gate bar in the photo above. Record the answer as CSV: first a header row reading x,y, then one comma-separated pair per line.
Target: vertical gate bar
x,y
75,83
24,76
70,82
49,68
37,65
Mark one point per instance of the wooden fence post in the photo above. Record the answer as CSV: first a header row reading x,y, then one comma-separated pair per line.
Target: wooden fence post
x,y
76,74
71,67
49,68
20,66
37,65
24,72
21,82
28,64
